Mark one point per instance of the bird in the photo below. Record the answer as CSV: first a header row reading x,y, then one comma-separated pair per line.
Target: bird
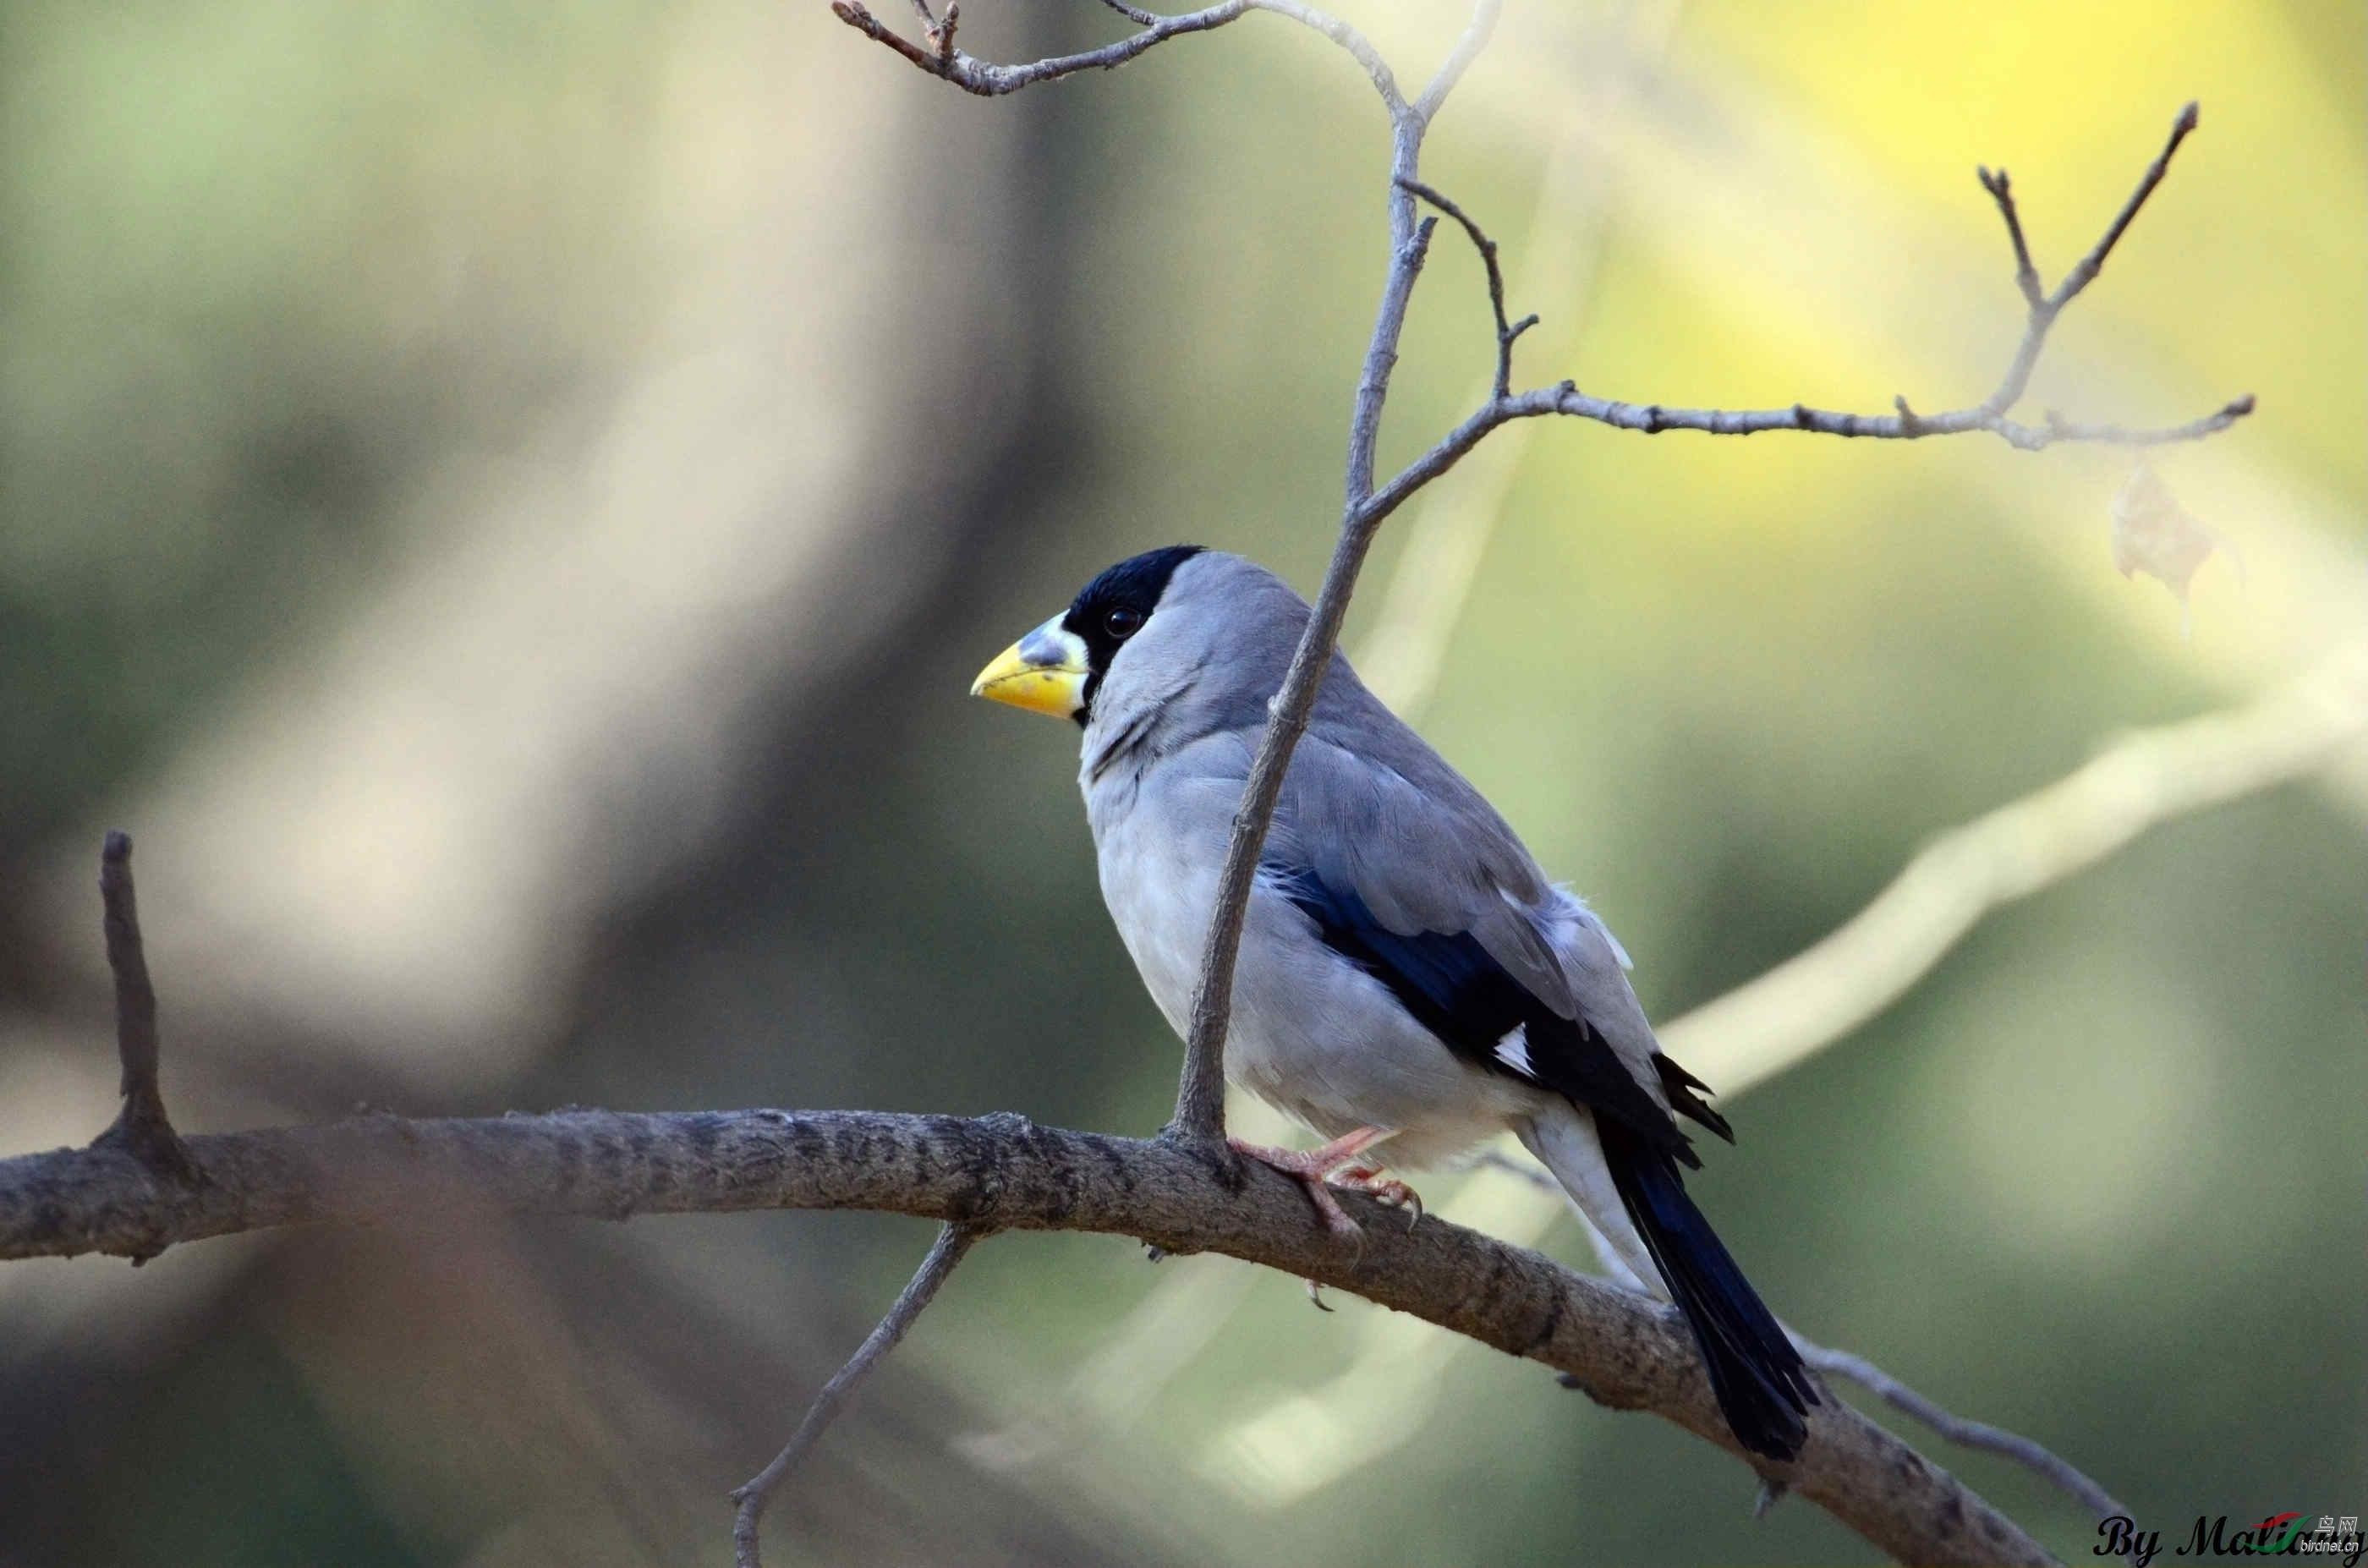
x,y
1409,982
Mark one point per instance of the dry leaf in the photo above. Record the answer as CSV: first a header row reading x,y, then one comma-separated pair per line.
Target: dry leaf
x,y
2153,534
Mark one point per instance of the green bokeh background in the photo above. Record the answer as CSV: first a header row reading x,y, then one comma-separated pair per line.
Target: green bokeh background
x,y
297,303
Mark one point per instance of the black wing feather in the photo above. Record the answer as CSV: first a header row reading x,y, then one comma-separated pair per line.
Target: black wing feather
x,y
1454,989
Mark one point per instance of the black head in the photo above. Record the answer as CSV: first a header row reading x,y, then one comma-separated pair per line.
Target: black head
x,y
1113,606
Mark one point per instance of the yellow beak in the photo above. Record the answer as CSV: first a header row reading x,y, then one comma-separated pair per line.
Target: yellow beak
x,y
1044,671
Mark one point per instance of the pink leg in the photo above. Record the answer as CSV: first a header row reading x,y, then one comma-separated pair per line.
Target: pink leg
x,y
1311,1168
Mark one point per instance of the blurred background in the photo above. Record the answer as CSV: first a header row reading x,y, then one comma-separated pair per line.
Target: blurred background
x,y
503,503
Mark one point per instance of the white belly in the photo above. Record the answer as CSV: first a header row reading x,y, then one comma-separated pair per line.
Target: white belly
x,y
1311,1035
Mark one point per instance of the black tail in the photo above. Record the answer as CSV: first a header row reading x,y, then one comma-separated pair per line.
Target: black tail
x,y
1761,1387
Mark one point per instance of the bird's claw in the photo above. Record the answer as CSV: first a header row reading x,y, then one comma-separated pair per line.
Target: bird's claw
x,y
1368,1181
1319,1170
1312,1167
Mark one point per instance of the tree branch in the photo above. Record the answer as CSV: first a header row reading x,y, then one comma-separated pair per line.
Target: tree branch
x,y
2156,775
997,1172
952,1244
1459,60
2033,1456
2045,309
988,81
974,75
1200,1096
1903,424
2066,1478
1506,331
1989,414
141,1127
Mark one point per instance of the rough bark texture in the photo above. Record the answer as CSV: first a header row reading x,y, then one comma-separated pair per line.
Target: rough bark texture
x,y
1002,1172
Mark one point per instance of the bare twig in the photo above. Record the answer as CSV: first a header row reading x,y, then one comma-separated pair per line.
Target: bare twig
x,y
1506,330
1459,60
1815,997
2026,276
1200,1096
2044,310
1653,418
942,36
1903,424
988,81
2094,261
997,1171
948,1250
142,1125
973,75
2032,1456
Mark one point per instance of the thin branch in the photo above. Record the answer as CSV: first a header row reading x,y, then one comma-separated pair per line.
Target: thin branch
x,y
1506,330
2093,263
1652,418
2026,276
1459,60
1903,424
948,1250
974,75
987,80
2154,776
142,1125
2044,311
2025,273
942,36
1200,1094
1360,47
997,1172
2032,1456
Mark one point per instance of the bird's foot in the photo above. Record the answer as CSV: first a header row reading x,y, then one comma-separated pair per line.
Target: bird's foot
x,y
1314,1168
1308,1167
1368,1181
1318,1170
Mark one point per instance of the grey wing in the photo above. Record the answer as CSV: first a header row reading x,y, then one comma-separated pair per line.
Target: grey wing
x,y
1368,807
1423,851
1407,892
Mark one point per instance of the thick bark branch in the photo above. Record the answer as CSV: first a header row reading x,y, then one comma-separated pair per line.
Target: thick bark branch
x,y
997,1172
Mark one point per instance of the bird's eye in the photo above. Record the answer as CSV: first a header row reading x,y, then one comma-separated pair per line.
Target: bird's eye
x,y
1124,623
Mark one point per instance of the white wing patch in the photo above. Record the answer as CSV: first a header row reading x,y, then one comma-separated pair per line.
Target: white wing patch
x,y
1513,1050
